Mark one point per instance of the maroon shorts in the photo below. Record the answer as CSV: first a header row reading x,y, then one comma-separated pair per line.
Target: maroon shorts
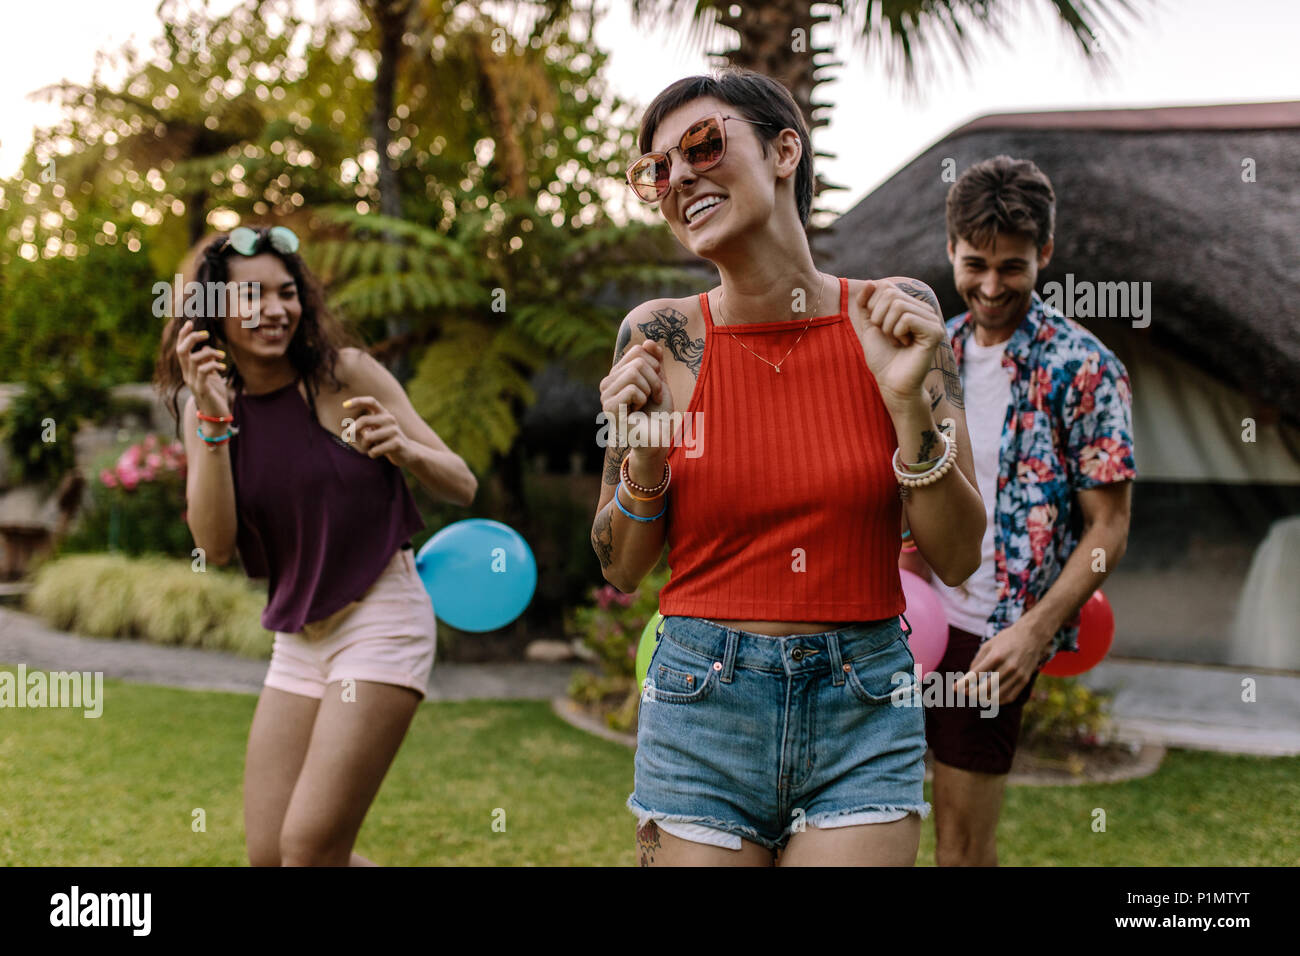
x,y
959,736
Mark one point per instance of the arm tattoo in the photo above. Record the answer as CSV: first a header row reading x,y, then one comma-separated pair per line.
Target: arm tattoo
x,y
614,455
919,290
928,441
936,396
951,377
613,462
602,536
669,326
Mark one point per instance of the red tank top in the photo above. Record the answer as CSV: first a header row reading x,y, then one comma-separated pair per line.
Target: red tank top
x,y
787,508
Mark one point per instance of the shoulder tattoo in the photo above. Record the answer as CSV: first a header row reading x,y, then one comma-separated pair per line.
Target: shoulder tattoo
x,y
669,327
624,340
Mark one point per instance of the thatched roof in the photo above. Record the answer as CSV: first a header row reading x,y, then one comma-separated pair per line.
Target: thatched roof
x,y
1142,195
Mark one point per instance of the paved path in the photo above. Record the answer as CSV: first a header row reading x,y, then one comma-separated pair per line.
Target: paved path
x,y
1175,705
24,639
1201,708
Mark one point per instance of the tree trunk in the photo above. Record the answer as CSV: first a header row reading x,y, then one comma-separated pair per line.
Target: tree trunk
x,y
196,210
390,18
768,45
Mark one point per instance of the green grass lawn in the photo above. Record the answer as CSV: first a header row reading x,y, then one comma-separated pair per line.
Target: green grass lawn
x,y
121,790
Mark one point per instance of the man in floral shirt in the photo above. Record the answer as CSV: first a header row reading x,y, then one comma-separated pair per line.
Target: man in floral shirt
x,y
1048,409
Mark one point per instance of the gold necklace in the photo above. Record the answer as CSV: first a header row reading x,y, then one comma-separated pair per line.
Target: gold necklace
x,y
777,366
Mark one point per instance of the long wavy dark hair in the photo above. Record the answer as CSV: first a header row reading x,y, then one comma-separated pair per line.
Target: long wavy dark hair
x,y
313,350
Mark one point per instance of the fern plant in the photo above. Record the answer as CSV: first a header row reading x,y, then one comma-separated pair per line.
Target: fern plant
x,y
485,314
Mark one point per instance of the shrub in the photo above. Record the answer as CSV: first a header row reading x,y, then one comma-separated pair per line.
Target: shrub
x,y
1062,714
50,406
137,503
612,623
611,627
160,600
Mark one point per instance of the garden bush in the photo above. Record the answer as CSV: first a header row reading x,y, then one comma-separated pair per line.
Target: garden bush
x,y
156,599
610,626
1061,714
137,503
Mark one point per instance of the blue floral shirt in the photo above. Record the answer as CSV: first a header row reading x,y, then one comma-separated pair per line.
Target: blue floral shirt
x,y
1069,427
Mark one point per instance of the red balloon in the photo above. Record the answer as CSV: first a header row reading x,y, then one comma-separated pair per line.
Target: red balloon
x,y
1096,632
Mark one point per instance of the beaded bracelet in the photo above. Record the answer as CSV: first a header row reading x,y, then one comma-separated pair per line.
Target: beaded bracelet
x,y
638,517
941,467
209,418
633,487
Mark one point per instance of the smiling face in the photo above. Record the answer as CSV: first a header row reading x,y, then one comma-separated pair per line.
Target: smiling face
x,y
997,281
275,318
741,190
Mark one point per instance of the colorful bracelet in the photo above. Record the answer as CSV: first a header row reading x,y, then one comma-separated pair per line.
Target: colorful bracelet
x,y
633,487
218,439
907,534
910,549
209,418
638,517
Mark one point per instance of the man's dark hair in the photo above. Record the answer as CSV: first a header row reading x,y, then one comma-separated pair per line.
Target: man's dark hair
x,y
756,97
1001,196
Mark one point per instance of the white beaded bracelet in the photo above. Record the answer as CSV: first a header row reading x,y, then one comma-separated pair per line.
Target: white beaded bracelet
x,y
940,468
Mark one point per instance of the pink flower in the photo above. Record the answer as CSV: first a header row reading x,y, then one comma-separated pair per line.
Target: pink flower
x,y
153,461
150,442
107,479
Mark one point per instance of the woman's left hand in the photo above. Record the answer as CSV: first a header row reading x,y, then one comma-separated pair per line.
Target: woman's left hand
x,y
377,432
902,331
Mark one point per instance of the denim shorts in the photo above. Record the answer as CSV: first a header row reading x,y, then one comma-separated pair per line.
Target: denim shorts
x,y
749,736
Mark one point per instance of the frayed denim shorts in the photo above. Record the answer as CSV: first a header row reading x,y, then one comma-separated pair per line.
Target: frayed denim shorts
x,y
742,735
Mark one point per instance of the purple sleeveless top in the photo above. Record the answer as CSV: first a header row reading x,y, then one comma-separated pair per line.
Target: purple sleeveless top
x,y
318,518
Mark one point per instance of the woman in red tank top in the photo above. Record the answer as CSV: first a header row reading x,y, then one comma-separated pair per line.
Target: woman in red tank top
x,y
769,432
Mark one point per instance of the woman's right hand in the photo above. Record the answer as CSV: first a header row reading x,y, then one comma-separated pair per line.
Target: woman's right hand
x,y
637,380
202,371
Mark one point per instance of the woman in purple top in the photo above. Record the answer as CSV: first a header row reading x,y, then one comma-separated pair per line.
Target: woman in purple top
x,y
296,439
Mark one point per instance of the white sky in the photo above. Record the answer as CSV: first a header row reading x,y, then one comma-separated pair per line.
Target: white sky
x,y
1182,52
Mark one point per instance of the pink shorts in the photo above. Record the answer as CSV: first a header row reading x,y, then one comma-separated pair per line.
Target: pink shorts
x,y
387,636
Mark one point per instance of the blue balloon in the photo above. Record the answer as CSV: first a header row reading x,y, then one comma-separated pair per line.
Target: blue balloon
x,y
480,574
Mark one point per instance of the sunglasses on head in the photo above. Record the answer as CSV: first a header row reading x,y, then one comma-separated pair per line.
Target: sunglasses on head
x,y
245,240
702,147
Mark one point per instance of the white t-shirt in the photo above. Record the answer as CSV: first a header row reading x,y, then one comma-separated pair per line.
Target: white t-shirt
x,y
986,388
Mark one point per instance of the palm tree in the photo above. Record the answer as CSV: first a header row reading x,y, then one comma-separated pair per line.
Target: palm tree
x,y
775,37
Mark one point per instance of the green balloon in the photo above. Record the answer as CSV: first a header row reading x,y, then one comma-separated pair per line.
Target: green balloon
x,y
645,650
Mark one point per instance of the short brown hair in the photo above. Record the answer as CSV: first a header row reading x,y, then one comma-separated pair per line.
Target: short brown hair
x,y
757,97
999,196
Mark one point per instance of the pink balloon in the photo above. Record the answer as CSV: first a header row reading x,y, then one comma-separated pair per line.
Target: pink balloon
x,y
929,639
